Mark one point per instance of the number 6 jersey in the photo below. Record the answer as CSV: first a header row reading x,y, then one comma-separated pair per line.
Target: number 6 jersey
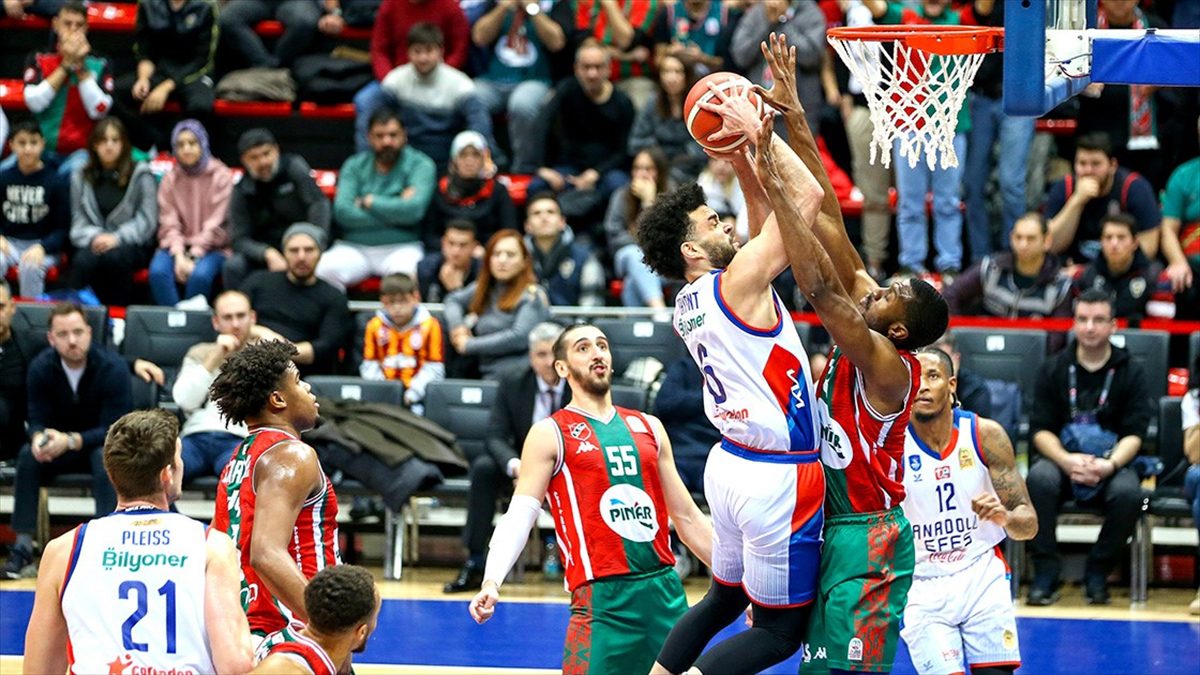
x,y
133,595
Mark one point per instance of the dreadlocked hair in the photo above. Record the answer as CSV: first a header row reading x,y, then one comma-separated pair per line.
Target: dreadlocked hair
x,y
249,376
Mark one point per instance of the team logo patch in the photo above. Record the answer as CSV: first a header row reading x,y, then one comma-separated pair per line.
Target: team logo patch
x,y
1010,639
415,341
629,511
914,462
965,460
580,431
854,652
942,473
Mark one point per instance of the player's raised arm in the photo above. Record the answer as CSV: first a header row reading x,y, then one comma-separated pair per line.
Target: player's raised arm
x,y
284,478
538,457
46,636
829,227
1012,510
225,622
693,527
795,197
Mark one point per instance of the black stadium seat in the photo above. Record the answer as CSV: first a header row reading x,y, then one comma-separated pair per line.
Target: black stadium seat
x,y
31,322
462,407
1009,355
357,389
630,339
163,335
1149,350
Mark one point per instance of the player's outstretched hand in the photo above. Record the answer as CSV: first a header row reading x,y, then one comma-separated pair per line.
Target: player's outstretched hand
x,y
988,507
781,59
738,115
483,605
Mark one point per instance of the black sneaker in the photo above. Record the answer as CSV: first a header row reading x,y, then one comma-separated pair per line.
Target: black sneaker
x,y
20,563
469,578
1095,587
1043,593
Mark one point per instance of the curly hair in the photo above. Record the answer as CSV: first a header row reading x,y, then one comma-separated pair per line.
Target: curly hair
x,y
926,316
663,227
339,598
249,376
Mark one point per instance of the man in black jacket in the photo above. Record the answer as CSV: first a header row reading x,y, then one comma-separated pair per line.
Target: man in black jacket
x,y
76,390
527,395
12,380
1121,269
277,191
1089,416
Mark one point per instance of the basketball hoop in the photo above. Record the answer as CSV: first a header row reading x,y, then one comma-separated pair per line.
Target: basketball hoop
x,y
916,87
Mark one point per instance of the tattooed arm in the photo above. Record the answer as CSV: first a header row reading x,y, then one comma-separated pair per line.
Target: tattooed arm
x,y
1012,510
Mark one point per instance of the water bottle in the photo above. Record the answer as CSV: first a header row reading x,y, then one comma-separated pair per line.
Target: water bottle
x,y
551,564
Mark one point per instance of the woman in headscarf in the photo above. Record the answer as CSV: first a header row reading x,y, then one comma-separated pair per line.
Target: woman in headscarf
x,y
470,191
193,235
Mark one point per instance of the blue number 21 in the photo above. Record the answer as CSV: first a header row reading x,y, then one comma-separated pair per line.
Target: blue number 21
x,y
142,597
710,377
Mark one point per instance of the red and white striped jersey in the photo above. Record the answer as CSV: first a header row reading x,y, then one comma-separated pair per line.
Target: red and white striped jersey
x,y
314,541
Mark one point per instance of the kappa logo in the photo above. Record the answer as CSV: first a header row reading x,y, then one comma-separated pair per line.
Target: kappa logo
x,y
580,431
942,473
584,446
854,652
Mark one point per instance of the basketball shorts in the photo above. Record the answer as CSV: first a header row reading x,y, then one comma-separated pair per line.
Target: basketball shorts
x,y
618,624
866,570
767,518
966,616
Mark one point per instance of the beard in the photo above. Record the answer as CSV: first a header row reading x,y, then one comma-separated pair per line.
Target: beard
x,y
596,386
925,417
387,156
720,254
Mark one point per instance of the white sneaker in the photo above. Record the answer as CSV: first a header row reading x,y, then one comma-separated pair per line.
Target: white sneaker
x,y
196,302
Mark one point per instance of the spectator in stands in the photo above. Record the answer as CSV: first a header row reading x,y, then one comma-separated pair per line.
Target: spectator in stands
x,y
389,48
1024,281
972,391
1189,410
587,124
114,215
640,286
1181,236
301,20
454,266
193,219
697,32
530,393
382,196
804,25
625,30
488,320
519,39
76,390
1089,416
680,401
68,89
914,182
34,211
301,307
660,124
989,127
403,341
567,269
276,191
18,9
174,44
724,194
470,191
1122,270
208,439
1098,187
435,100
12,380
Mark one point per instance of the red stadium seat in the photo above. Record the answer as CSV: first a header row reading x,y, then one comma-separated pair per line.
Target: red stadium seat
x,y
337,111
12,94
225,108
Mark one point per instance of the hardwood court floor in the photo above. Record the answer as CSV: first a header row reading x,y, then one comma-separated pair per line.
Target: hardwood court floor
x,y
423,631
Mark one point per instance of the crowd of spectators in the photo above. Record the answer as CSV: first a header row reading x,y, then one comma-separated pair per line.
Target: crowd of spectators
x,y
585,97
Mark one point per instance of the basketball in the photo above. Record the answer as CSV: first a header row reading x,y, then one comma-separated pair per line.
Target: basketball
x,y
701,123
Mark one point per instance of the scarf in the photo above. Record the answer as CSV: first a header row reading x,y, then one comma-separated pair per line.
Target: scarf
x,y
197,129
466,191
1142,112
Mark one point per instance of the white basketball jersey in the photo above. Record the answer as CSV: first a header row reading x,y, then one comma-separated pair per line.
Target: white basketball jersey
x,y
939,486
757,389
133,595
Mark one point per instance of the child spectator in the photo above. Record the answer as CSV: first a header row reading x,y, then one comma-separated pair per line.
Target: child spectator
x,y
193,232
34,211
403,341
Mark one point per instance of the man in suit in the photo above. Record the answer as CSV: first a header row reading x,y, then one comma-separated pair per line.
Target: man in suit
x,y
527,396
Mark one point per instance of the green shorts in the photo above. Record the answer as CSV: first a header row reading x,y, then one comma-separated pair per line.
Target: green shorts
x,y
618,624
866,570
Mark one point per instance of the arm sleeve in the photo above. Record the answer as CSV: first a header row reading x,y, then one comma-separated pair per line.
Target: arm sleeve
x,y
190,390
408,211
139,229
170,227
83,230
95,100
117,400
534,309
241,227
510,537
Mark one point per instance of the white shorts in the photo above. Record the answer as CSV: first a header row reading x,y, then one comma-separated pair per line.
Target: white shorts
x,y
963,617
767,519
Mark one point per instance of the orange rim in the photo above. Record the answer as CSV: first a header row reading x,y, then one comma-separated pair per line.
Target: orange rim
x,y
946,40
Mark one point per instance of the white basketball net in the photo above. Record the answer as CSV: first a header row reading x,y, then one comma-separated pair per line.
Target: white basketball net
x,y
914,97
